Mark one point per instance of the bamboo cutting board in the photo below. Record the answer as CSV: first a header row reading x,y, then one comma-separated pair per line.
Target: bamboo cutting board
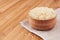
x,y
14,11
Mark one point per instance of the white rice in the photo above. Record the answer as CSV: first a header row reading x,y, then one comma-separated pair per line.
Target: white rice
x,y
42,13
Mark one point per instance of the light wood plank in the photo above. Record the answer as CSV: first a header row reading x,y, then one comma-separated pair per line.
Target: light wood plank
x,y
6,4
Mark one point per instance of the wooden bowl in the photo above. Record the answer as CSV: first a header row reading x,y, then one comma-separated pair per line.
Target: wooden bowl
x,y
43,25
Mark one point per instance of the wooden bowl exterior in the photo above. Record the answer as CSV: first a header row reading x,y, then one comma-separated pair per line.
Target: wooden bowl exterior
x,y
42,24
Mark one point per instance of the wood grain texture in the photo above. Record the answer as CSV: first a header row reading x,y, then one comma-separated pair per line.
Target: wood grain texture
x,y
14,11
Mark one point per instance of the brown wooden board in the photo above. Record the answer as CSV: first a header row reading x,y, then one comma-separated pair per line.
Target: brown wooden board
x,y
14,11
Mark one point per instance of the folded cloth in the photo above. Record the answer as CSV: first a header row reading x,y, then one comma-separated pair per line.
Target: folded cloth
x,y
53,34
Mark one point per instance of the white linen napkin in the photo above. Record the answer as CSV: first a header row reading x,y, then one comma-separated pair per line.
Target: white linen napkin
x,y
53,34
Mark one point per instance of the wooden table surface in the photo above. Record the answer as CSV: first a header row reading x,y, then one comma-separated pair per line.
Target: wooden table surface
x,y
14,11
